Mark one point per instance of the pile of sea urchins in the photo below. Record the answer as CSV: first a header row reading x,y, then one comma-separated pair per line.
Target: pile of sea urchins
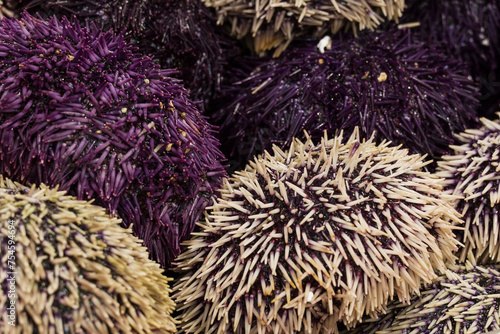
x,y
250,167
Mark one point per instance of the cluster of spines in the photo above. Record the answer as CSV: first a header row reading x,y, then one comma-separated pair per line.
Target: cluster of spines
x,y
464,300
303,238
76,270
177,34
472,173
79,109
273,25
390,83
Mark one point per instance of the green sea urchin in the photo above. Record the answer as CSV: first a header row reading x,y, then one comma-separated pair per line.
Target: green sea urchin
x,y
302,238
74,269
273,23
473,172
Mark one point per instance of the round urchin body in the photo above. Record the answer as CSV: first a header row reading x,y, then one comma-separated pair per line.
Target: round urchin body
x,y
389,83
464,300
473,173
468,30
274,24
79,109
67,267
302,238
177,34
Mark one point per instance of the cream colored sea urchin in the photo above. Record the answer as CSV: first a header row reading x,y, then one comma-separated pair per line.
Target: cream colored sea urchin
x,y
67,267
274,23
302,238
473,172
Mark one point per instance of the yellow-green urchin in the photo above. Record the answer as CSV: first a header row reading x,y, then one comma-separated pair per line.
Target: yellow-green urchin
x,y
473,172
319,233
70,268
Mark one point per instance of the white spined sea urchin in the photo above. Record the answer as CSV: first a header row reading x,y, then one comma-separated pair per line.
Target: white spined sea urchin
x,y
302,238
274,23
473,172
75,269
464,300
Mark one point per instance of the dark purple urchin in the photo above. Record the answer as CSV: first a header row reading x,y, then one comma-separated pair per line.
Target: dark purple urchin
x,y
464,300
473,173
390,82
177,34
468,30
183,35
80,109
319,233
129,16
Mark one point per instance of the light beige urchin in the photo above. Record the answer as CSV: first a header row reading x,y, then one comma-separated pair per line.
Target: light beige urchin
x,y
303,238
70,268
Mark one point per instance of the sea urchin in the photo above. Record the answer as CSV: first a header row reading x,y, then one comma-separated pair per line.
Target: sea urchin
x,y
473,172
389,83
67,267
273,24
79,109
302,238
464,300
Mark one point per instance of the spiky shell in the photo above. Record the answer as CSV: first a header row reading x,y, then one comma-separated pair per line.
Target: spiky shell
x,y
473,173
392,83
273,24
468,30
302,238
70,268
466,299
81,110
177,34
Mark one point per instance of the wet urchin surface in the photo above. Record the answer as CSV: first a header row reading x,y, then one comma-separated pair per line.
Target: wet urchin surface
x,y
391,83
79,109
468,30
177,34
466,299
472,172
319,233
274,24
70,268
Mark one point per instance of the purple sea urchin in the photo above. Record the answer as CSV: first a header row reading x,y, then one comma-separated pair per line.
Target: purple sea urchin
x,y
273,24
464,300
468,30
409,93
302,238
118,15
79,109
177,34
472,172
67,267
183,35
